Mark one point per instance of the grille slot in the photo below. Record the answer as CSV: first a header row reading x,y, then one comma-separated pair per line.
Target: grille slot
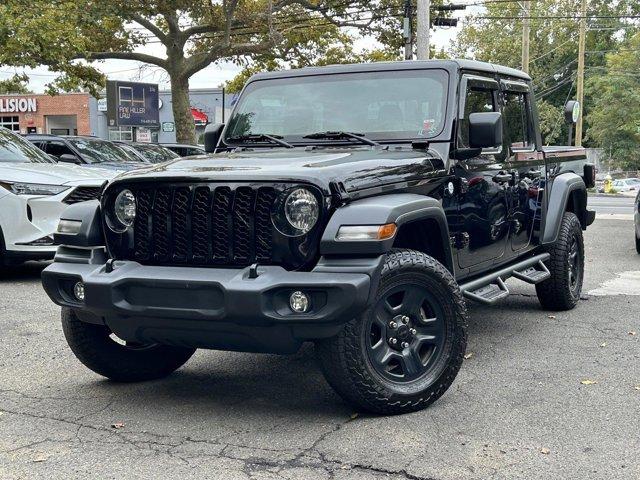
x,y
82,194
203,225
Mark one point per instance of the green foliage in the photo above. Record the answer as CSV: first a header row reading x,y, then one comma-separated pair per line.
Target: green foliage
x,y
15,84
553,48
614,117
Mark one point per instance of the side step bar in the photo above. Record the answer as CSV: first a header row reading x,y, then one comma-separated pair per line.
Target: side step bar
x,y
491,288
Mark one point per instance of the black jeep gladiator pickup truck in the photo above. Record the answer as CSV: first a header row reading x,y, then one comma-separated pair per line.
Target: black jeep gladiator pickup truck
x,y
355,206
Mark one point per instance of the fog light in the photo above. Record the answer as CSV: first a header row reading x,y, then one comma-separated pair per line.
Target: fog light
x,y
299,302
78,291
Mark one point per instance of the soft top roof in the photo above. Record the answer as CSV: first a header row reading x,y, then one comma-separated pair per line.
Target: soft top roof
x,y
404,65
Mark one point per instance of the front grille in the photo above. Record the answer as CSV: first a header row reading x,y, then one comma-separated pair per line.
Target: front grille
x,y
82,194
202,224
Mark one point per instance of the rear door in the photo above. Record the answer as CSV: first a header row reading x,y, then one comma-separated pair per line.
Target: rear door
x,y
524,161
482,202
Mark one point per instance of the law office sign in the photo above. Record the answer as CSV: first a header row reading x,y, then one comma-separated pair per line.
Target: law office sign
x,y
132,104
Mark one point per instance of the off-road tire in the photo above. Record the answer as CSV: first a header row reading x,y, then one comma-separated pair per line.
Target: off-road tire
x,y
94,347
347,367
557,293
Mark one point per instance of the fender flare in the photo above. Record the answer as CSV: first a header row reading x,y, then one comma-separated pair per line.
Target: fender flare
x,y
562,190
398,208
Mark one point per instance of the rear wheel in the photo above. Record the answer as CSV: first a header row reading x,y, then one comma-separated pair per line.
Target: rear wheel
x,y
405,351
562,290
101,351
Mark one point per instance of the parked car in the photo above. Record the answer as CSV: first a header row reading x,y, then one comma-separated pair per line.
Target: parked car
x,y
636,218
150,152
184,150
34,191
87,151
626,185
354,206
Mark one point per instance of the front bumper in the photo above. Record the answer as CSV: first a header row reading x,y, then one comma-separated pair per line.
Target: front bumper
x,y
212,307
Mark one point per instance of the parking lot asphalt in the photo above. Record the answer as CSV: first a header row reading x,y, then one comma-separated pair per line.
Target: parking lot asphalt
x,y
541,396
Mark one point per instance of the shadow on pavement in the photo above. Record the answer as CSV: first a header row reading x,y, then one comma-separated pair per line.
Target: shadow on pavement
x,y
25,271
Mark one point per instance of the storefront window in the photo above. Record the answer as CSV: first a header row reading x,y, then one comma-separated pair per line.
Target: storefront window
x,y
118,134
12,123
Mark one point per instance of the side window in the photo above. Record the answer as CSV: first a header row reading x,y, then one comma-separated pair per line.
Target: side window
x,y
477,100
58,148
517,121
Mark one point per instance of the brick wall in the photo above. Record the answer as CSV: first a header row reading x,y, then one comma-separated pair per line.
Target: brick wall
x,y
66,104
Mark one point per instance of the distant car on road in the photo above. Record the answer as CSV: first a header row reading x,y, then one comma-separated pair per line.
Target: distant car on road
x,y
184,149
150,152
626,185
87,151
34,191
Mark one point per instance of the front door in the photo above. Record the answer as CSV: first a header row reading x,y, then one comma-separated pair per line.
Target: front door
x,y
483,228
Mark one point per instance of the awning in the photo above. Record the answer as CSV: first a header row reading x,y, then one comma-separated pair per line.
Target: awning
x,y
199,117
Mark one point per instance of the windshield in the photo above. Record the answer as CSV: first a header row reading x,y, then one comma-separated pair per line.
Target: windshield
x,y
98,151
130,153
386,105
14,148
156,153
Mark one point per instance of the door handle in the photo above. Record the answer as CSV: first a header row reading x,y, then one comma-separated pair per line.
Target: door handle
x,y
503,177
533,174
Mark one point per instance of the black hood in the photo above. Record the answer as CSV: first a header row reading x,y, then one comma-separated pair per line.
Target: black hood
x,y
355,168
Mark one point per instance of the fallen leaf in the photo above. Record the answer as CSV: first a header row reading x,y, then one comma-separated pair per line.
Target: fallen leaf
x,y
117,425
633,333
545,451
588,382
637,387
467,356
354,416
41,458
552,317
604,344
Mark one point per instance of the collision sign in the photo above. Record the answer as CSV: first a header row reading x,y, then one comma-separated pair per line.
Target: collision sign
x,y
18,104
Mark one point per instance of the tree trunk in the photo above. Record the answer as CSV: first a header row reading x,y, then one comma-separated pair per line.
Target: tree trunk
x,y
185,128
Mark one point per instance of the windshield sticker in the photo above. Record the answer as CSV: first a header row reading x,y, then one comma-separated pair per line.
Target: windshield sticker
x,y
428,127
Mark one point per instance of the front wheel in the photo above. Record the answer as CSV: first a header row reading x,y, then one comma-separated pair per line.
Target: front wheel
x,y
562,290
406,349
99,350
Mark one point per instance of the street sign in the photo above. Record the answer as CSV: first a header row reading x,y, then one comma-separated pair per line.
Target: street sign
x,y
168,126
132,104
102,104
572,111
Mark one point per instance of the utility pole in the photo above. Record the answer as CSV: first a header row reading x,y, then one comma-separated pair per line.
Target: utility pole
x,y
423,24
580,80
526,27
408,39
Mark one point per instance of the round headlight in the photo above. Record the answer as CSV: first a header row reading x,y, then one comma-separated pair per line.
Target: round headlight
x,y
125,208
301,210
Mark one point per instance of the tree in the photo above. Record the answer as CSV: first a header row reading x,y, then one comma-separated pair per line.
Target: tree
x,y
553,47
15,84
614,118
194,34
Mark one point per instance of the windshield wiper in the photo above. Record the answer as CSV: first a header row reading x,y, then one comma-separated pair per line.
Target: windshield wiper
x,y
261,137
342,136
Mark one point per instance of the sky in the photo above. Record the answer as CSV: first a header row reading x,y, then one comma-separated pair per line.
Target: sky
x,y
210,77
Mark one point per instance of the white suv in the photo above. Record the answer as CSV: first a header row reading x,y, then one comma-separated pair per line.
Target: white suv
x,y
34,190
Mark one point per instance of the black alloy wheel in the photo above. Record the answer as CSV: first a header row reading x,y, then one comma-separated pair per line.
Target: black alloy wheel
x,y
406,334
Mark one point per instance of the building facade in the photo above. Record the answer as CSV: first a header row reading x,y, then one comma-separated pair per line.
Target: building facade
x,y
82,114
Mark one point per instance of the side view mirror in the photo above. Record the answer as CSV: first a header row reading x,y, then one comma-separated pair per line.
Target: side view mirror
x,y
68,158
485,130
212,136
589,175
